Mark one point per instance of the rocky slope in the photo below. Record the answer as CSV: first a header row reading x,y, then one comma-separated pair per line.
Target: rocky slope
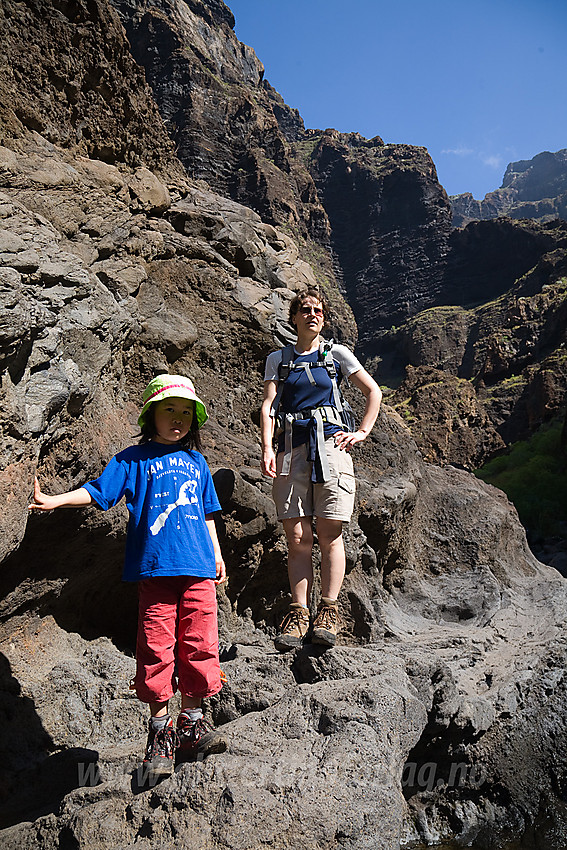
x,y
533,188
449,677
390,225
230,128
501,367
369,217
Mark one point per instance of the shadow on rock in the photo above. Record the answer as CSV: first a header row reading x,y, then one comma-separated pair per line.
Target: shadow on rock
x,y
33,779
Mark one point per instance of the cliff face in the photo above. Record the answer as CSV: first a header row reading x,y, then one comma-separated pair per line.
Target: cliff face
x,y
533,188
390,224
510,348
213,100
229,126
376,210
86,92
453,645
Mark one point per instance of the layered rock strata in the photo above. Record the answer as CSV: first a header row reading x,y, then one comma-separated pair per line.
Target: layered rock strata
x,y
450,665
532,188
390,225
507,355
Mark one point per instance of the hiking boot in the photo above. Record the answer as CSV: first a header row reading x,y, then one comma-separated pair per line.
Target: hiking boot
x,y
293,629
160,749
326,623
198,738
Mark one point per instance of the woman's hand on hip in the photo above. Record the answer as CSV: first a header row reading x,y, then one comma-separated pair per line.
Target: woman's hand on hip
x,y
345,440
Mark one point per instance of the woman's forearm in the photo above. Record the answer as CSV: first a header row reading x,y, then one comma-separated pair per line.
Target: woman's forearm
x,y
371,409
266,428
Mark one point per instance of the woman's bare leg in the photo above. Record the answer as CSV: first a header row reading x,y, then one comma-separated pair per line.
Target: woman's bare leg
x,y
299,534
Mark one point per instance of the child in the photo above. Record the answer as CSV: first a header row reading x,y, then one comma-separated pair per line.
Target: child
x,y
172,550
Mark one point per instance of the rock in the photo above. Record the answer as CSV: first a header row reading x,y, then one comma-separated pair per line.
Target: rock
x,y
282,760
230,128
90,92
150,192
451,654
510,350
10,243
534,188
391,262
447,418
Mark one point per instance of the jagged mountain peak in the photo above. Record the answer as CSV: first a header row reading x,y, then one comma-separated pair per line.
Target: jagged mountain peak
x,y
533,188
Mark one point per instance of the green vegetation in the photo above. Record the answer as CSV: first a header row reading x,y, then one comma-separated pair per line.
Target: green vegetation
x,y
405,410
533,476
306,147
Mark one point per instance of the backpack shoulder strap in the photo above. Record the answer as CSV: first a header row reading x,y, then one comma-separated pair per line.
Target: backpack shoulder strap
x,y
326,356
284,368
286,363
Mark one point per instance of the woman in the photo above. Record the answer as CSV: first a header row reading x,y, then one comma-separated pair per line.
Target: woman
x,y
312,472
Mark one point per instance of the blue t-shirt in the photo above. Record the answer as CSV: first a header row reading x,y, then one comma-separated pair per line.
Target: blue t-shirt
x,y
300,394
168,492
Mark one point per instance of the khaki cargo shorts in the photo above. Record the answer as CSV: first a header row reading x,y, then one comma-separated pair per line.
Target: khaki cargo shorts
x,y
296,495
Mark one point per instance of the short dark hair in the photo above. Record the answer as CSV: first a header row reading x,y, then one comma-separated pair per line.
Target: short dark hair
x,y
191,440
301,297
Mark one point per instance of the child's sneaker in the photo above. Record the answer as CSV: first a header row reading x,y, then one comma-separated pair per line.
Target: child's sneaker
x,y
198,737
160,749
326,623
293,629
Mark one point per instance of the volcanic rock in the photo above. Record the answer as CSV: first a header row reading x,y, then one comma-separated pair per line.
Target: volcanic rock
x,y
390,225
115,265
532,188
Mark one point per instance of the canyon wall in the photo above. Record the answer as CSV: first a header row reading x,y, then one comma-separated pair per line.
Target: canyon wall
x,y
532,188
118,260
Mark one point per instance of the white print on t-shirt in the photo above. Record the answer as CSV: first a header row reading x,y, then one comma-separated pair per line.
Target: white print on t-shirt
x,y
183,499
181,463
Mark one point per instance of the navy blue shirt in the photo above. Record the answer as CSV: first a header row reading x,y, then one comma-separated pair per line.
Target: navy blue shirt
x,y
299,394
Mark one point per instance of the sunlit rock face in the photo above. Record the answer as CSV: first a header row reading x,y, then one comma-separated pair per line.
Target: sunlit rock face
x,y
532,188
116,264
390,225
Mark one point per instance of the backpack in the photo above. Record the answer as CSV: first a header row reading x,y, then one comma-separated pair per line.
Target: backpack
x,y
340,413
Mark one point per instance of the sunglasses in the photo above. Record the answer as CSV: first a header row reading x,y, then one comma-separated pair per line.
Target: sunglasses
x,y
306,311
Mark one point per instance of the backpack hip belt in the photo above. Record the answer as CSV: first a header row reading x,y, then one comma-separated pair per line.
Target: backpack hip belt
x,y
320,415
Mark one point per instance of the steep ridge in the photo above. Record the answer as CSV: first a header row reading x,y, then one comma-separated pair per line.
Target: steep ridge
x,y
390,225
230,127
510,347
453,650
390,218
532,188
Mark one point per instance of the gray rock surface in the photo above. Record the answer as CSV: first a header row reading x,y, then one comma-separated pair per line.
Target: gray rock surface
x,y
440,712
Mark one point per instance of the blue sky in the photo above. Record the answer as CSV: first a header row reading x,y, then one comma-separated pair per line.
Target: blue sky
x,y
479,83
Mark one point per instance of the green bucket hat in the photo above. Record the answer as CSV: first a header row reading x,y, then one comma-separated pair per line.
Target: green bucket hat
x,y
170,386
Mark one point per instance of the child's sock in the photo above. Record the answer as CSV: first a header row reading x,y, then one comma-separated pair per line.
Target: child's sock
x,y
193,713
159,723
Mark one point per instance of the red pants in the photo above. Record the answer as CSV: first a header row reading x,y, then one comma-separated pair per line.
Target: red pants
x,y
178,643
